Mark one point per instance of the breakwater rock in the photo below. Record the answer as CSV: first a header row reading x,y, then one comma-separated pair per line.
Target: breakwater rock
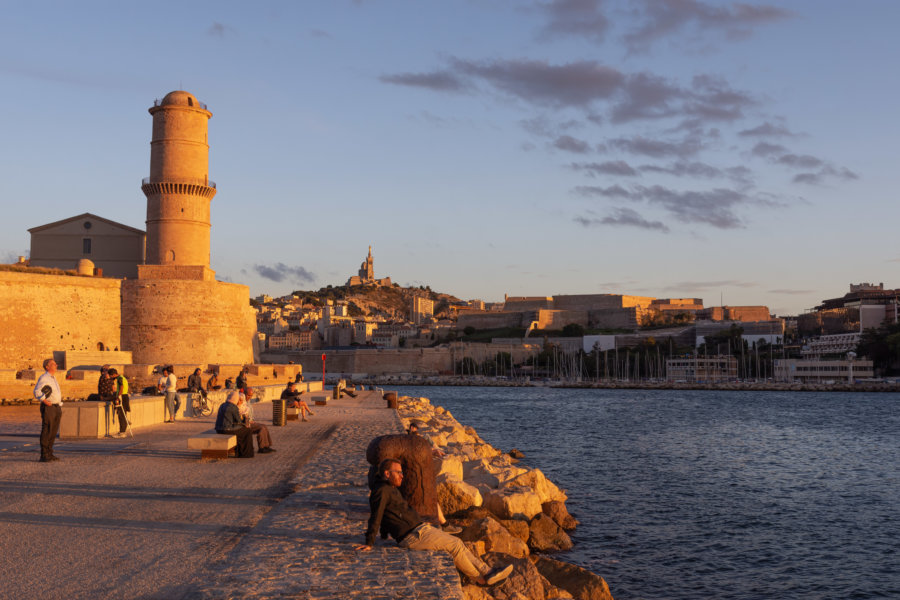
x,y
508,513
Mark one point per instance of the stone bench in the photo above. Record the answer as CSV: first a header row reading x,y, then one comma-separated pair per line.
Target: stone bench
x,y
320,400
212,444
292,414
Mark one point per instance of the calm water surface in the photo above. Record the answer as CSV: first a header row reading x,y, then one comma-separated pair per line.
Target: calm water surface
x,y
696,494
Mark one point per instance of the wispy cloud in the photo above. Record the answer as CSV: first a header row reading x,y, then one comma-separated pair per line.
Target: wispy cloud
x,y
767,130
281,272
702,286
622,217
582,18
791,292
663,18
440,81
220,30
613,167
571,144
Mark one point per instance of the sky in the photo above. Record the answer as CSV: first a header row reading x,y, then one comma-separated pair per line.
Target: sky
x,y
743,153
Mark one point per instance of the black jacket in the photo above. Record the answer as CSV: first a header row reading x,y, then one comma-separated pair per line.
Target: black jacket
x,y
228,418
390,514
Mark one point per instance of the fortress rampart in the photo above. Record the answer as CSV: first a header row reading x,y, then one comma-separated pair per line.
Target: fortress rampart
x,y
187,321
42,313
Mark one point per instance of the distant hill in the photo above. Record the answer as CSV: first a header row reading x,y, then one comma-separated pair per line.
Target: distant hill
x,y
389,302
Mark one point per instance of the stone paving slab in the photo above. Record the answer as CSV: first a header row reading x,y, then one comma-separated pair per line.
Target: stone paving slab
x,y
146,518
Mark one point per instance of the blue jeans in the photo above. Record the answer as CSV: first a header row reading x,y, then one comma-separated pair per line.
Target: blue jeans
x,y
172,404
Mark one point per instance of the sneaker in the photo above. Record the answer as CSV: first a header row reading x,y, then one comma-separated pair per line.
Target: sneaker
x,y
497,574
266,450
451,529
121,434
53,457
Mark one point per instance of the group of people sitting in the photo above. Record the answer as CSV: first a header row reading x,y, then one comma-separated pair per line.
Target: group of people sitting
x,y
235,417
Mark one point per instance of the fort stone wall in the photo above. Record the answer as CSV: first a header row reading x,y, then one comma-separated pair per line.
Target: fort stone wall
x,y
41,314
187,321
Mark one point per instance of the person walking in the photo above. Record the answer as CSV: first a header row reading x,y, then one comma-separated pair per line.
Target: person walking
x,y
47,391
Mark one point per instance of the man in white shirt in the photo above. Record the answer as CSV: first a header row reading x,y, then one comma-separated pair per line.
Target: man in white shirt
x,y
172,403
47,391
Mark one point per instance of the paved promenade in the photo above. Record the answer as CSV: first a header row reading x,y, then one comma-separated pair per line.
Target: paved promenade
x,y
146,518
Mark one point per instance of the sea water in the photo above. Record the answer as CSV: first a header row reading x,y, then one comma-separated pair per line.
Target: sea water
x,y
708,494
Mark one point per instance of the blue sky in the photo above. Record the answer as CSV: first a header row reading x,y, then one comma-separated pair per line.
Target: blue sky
x,y
673,148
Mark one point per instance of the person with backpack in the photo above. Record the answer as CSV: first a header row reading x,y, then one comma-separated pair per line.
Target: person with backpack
x,y
122,402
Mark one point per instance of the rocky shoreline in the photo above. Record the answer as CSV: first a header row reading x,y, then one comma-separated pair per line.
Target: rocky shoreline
x,y
508,513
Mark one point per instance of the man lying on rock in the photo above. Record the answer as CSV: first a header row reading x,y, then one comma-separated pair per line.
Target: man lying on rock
x,y
391,514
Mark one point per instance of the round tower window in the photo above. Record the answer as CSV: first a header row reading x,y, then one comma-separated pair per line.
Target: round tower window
x,y
87,224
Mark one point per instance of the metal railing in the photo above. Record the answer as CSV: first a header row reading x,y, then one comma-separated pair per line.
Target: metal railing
x,y
202,105
193,181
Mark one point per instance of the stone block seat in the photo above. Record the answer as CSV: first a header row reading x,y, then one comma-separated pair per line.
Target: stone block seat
x,y
212,444
292,414
320,400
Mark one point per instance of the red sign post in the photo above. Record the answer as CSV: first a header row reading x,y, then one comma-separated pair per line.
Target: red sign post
x,y
323,372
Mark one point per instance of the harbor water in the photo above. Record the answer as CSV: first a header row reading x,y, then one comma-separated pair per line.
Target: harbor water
x,y
706,494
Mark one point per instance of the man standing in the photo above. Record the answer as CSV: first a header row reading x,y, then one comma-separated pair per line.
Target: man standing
x,y
47,391
172,402
391,514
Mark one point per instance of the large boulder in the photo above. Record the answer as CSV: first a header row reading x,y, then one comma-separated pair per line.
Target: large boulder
x,y
525,582
557,511
414,453
472,591
495,537
535,479
546,536
454,494
485,450
517,527
450,464
513,503
581,583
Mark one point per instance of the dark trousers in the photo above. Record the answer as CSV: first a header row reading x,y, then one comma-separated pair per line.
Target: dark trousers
x,y
50,417
121,410
244,435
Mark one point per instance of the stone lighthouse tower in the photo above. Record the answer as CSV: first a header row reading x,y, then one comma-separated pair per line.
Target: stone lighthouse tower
x,y
176,312
178,190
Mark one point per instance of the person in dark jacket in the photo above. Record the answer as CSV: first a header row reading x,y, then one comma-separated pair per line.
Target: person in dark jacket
x,y
195,383
229,421
392,515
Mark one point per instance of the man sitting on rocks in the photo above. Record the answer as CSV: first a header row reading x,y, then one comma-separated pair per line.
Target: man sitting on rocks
x,y
292,396
391,514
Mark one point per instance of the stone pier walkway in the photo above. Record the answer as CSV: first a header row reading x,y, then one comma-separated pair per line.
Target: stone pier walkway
x,y
146,518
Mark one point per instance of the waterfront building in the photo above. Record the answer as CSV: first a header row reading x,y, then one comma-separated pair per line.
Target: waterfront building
x,y
837,344
708,369
865,306
823,371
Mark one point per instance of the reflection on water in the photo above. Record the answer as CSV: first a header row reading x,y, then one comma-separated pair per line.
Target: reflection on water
x,y
702,494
